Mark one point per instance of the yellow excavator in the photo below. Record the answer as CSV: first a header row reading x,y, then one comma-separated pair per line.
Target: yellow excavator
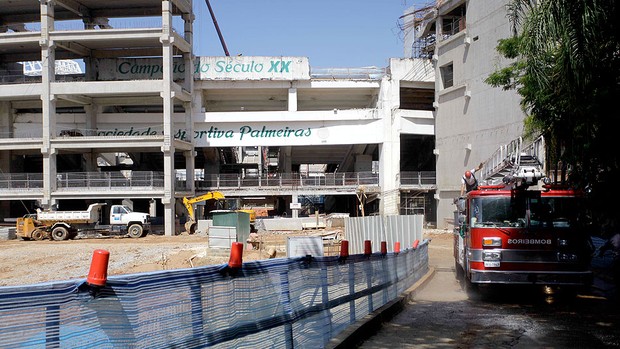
x,y
190,225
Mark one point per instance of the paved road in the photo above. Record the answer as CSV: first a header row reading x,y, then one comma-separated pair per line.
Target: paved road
x,y
442,315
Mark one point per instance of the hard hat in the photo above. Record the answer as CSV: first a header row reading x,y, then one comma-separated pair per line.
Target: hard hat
x,y
467,174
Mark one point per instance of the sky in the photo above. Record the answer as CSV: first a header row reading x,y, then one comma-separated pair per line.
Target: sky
x,y
331,33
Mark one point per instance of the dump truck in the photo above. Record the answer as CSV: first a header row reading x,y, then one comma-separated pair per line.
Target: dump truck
x,y
64,225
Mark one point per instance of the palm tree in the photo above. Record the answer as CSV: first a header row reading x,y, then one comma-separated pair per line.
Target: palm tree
x,y
567,69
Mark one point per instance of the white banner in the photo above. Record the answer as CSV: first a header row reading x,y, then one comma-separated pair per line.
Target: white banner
x,y
234,134
207,68
254,68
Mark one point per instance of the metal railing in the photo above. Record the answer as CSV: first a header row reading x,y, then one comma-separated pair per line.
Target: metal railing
x,y
418,178
125,180
21,181
109,180
364,73
290,180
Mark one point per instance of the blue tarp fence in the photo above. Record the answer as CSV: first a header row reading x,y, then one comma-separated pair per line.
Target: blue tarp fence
x,y
275,303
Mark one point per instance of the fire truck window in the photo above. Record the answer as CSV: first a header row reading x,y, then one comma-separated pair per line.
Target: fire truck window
x,y
562,211
497,212
540,214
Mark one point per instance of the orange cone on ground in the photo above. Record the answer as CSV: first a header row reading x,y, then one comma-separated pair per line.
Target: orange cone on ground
x,y
236,255
383,247
415,244
397,247
344,248
367,247
98,274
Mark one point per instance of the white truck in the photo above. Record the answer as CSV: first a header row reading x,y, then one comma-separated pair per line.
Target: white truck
x,y
64,225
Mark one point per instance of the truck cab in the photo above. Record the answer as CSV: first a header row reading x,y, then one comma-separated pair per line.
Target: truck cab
x,y
137,223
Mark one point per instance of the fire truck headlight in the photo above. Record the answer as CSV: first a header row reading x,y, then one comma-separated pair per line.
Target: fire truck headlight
x,y
491,242
491,255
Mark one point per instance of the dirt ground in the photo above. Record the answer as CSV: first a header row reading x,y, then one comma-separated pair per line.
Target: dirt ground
x,y
30,262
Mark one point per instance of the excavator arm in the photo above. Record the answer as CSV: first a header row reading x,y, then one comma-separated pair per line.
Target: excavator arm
x,y
190,225
189,203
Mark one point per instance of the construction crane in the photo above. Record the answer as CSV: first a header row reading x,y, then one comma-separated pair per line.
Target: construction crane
x,y
217,28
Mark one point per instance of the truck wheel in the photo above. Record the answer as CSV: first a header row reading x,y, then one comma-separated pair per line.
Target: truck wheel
x,y
37,235
135,231
60,233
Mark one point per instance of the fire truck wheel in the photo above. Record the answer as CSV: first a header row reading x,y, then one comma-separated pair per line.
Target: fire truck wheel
x,y
60,233
135,231
37,235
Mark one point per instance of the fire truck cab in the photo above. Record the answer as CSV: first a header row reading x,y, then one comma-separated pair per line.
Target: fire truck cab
x,y
510,234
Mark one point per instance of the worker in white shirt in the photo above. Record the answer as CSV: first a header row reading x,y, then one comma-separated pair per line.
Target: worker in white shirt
x,y
469,181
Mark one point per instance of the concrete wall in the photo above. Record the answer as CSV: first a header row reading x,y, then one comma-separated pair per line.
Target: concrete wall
x,y
472,118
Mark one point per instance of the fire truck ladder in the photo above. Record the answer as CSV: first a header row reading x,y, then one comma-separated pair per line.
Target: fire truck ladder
x,y
515,160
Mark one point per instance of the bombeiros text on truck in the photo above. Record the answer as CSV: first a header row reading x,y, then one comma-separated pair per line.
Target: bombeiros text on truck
x,y
525,230
65,225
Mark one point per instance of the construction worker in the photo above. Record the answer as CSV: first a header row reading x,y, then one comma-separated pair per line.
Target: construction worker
x,y
469,181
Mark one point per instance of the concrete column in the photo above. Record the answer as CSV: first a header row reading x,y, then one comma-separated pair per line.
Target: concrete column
x,y
294,213
389,151
168,122
6,127
90,158
284,160
189,168
48,102
153,208
292,99
188,59
188,33
260,161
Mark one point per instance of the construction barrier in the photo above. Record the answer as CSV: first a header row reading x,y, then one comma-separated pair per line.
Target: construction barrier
x,y
276,303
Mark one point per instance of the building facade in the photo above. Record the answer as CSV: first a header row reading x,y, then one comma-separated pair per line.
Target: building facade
x,y
147,123
472,118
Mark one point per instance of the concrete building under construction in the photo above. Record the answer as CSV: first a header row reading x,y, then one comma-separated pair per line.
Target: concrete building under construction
x,y
141,120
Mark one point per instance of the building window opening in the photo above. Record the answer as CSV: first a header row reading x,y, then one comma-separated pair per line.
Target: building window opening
x,y
447,75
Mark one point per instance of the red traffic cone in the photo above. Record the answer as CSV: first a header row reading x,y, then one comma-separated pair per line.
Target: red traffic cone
x,y
98,274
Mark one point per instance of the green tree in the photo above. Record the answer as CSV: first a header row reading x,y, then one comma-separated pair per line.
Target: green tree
x,y
566,67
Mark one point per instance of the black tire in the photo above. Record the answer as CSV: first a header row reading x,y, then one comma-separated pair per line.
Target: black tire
x,y
37,235
60,233
135,231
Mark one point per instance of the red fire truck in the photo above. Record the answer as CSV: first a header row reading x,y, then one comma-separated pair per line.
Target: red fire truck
x,y
513,234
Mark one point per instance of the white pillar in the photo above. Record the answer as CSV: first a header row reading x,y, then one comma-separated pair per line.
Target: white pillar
x,y
168,122
389,151
48,102
292,99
